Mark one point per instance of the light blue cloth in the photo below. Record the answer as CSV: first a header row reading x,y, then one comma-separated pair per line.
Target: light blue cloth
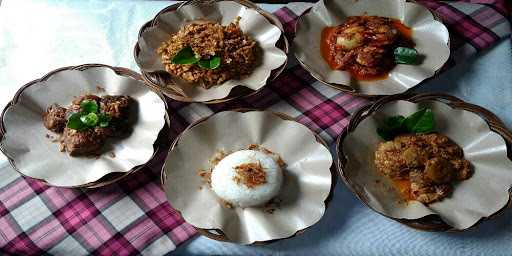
x,y
40,35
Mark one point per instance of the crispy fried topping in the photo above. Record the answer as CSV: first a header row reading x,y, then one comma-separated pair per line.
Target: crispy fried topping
x,y
271,206
100,88
226,204
206,176
275,156
218,157
250,174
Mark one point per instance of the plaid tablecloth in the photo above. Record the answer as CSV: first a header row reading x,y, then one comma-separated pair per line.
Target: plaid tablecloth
x,y
133,217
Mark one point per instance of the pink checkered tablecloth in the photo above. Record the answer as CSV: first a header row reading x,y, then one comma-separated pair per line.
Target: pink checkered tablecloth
x,y
133,217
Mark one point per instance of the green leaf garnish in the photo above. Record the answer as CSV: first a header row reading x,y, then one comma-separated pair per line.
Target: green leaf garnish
x,y
421,121
395,122
211,63
404,55
75,123
392,127
103,120
89,106
90,119
185,56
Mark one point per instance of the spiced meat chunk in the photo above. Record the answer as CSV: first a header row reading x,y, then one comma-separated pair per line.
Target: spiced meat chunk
x,y
430,162
116,107
54,119
86,142
88,121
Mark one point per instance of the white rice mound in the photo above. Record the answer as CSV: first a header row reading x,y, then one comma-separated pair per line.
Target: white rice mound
x,y
224,185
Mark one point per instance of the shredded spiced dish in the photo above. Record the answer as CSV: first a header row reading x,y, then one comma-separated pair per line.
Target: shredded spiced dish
x,y
207,53
246,178
84,126
422,164
368,46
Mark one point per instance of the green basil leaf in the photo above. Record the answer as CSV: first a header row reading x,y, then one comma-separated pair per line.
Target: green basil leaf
x,y
185,56
75,123
103,120
90,119
394,122
89,106
404,55
411,120
391,128
211,63
420,122
385,133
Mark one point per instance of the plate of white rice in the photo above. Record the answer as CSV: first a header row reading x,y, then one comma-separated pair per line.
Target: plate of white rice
x,y
248,177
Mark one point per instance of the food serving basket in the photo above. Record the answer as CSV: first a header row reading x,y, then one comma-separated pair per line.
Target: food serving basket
x,y
161,81
429,222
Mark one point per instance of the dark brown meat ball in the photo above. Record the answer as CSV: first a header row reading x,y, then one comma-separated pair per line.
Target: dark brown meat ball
x,y
54,119
86,142
117,107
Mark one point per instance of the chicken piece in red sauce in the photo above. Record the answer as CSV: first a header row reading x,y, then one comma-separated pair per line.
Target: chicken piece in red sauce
x,y
364,45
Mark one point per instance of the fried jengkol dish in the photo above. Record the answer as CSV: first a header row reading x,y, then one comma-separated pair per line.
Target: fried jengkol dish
x,y
88,122
367,46
208,54
422,166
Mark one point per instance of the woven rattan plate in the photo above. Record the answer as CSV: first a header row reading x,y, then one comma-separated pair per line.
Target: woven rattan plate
x,y
111,177
430,222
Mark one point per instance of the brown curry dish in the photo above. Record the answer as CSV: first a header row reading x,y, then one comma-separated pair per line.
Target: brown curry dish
x,y
364,45
422,166
88,140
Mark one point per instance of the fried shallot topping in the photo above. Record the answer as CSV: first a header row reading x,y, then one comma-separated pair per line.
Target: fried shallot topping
x,y
250,174
219,155
206,176
275,156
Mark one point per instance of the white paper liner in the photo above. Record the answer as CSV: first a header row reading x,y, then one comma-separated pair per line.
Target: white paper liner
x,y
485,193
36,156
306,183
223,12
430,36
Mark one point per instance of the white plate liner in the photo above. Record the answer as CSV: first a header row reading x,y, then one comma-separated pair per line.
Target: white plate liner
x,y
37,157
224,12
306,183
431,38
482,195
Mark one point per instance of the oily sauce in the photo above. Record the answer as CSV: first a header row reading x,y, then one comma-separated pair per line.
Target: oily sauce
x,y
404,188
327,38
329,51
